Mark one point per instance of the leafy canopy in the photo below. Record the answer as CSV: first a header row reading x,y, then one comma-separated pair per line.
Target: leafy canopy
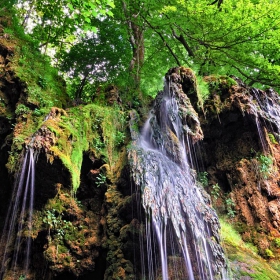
x,y
239,37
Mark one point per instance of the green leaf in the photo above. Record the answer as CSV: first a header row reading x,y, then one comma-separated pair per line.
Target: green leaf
x,y
87,19
109,13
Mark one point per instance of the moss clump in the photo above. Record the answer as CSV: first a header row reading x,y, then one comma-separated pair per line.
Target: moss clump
x,y
219,83
243,257
272,139
203,92
218,86
99,130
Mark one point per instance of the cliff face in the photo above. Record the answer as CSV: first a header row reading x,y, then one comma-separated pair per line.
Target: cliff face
x,y
12,90
241,155
88,219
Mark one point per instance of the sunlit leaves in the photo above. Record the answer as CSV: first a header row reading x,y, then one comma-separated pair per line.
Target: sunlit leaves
x,y
240,37
235,38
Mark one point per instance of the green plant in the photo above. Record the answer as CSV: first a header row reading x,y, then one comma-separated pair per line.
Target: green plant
x,y
202,91
79,203
21,109
277,242
119,138
215,192
55,222
268,253
98,144
50,219
100,180
230,205
21,277
42,82
265,166
272,138
202,178
37,112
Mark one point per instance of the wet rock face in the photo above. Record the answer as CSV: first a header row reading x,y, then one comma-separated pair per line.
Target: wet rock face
x,y
69,232
241,153
11,90
173,201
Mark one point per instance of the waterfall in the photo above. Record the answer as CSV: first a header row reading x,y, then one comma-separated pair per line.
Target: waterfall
x,y
177,208
17,233
267,109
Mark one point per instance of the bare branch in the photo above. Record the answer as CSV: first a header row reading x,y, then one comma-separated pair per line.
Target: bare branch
x,y
165,43
183,42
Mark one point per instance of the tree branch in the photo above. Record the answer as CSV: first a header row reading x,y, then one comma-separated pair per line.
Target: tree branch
x,y
220,2
183,41
165,43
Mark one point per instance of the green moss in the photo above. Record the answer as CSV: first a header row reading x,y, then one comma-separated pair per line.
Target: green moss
x,y
269,253
203,92
272,138
243,257
218,83
87,128
277,242
62,249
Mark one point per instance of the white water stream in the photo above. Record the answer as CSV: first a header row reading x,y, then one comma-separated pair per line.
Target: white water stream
x,y
171,198
18,225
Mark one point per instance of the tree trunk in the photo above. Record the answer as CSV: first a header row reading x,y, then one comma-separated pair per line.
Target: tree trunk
x,y
78,93
136,39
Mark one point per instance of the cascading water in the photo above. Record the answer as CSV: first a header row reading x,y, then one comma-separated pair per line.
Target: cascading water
x,y
18,225
174,203
268,109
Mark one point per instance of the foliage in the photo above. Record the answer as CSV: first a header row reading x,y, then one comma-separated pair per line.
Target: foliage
x,y
55,22
107,63
223,37
119,138
21,109
215,192
272,138
265,166
45,87
100,180
230,205
54,221
202,178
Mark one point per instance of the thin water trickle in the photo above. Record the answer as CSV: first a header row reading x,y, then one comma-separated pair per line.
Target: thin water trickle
x,y
267,109
171,198
18,225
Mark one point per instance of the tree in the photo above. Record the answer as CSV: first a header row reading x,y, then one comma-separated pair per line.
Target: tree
x,y
98,57
56,21
239,37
